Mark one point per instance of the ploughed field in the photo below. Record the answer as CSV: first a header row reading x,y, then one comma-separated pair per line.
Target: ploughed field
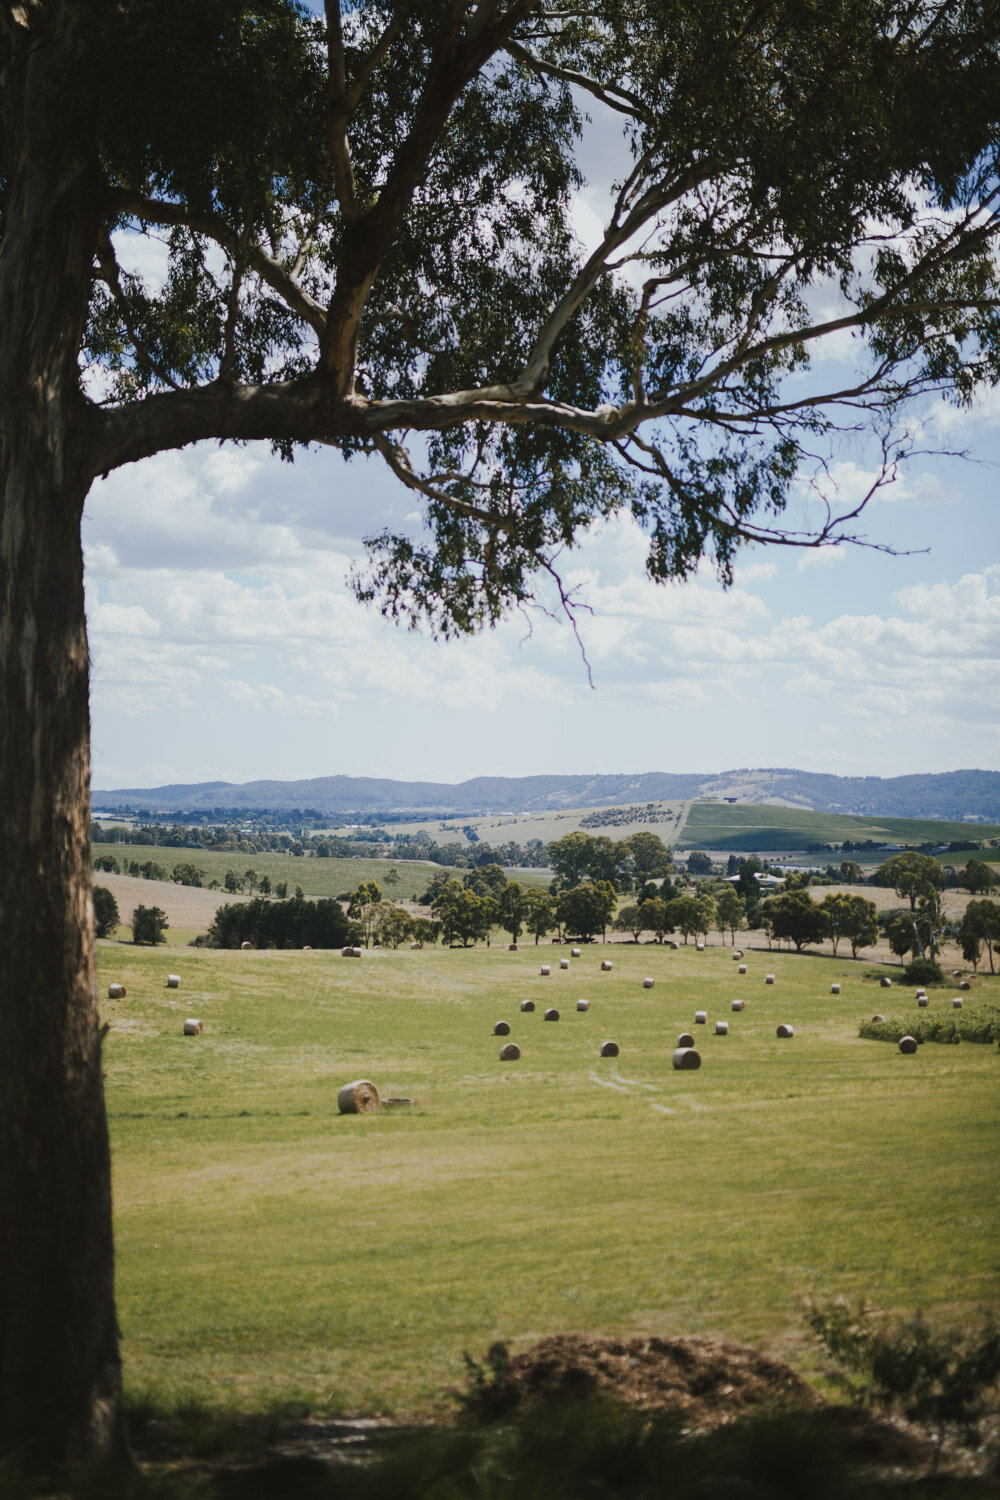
x,y
270,1248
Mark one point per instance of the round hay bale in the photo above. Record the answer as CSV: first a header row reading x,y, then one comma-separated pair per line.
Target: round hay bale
x,y
306,948
358,1098
545,969
502,1028
511,947
674,944
347,952
605,965
699,946
609,1049
878,1018
116,992
192,1027
552,1014
737,954
564,963
414,948
907,1044
574,953
648,983
510,1052
885,982
965,985
956,1004
527,1004
742,969
700,1017
835,989
686,1059
785,1031
738,1004
355,952
685,1039
246,947
768,978
173,981
722,1028
921,992
583,1005
956,973
922,1000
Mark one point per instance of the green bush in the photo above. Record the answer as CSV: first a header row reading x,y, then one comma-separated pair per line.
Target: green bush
x,y
960,1026
923,971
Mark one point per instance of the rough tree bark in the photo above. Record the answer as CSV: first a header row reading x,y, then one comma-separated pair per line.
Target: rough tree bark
x,y
59,1364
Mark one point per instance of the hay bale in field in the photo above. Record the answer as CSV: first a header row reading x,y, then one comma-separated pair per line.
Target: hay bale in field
x,y
414,948
511,947
835,989
700,1017
885,982
965,985
245,946
922,1000
116,992
527,1004
564,963
878,1018
768,978
552,1014
685,1039
173,981
742,969
648,983
609,1049
907,1044
502,1028
510,1052
347,952
956,973
545,969
192,1027
355,952
738,1004
574,952
686,1059
358,1098
956,1004
674,944
699,946
785,1031
583,1005
737,954
722,1028
605,965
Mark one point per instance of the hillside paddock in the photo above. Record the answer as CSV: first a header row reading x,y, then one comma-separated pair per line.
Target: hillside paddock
x,y
271,1249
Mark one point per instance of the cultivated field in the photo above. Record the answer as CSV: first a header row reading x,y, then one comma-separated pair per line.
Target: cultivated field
x,y
715,825
269,1247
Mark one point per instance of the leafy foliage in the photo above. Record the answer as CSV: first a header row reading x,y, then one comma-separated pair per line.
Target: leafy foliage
x,y
149,925
106,915
292,923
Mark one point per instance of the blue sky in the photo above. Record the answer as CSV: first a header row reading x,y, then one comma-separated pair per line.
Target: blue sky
x,y
226,645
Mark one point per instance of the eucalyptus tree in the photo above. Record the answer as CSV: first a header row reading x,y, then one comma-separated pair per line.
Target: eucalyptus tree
x,y
367,221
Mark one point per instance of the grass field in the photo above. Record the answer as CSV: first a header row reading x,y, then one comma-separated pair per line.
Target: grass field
x,y
270,1248
714,825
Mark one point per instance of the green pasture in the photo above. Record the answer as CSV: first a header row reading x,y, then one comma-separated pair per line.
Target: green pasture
x,y
317,877
270,1248
496,828
713,825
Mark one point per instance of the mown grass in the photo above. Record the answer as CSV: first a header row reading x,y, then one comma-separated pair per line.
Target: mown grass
x,y
268,1246
317,877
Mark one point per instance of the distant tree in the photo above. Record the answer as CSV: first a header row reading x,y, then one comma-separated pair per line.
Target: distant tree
x,y
281,889
425,930
980,927
730,909
512,906
232,881
631,919
391,925
861,926
107,863
977,877
699,863
851,872
265,885
250,880
837,910
540,913
650,858
910,874
106,916
587,908
569,858
685,914
363,907
149,925
795,917
185,873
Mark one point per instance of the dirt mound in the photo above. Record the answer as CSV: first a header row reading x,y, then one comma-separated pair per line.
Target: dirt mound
x,y
707,1381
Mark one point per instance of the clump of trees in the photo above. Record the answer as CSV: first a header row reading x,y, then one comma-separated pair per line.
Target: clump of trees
x,y
149,925
291,923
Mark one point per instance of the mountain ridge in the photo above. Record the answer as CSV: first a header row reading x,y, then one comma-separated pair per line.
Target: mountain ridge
x,y
971,795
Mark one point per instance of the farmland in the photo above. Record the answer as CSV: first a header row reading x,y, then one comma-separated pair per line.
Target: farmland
x,y
269,1247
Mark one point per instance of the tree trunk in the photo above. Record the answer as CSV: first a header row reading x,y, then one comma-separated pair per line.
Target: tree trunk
x,y
60,1372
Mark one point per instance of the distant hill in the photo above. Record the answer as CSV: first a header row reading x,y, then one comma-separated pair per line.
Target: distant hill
x,y
970,796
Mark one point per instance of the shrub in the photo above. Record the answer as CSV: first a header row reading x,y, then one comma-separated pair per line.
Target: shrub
x,y
975,1026
923,971
941,1380
149,925
105,911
